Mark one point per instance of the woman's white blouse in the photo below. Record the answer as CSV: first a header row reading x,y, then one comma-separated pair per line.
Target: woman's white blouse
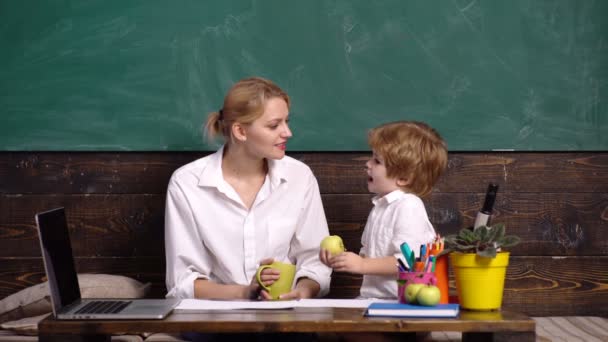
x,y
210,234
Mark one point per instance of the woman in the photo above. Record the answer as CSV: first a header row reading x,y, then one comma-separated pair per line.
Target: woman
x,y
245,205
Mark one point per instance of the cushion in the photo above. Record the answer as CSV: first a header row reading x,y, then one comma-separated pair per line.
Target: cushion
x,y
35,300
162,337
24,326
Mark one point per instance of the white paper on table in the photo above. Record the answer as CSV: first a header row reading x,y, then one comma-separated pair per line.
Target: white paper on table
x,y
334,303
190,305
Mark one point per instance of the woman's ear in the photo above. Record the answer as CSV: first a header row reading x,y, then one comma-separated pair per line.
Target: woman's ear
x,y
238,132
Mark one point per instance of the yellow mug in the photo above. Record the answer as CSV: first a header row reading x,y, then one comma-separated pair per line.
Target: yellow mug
x,y
281,285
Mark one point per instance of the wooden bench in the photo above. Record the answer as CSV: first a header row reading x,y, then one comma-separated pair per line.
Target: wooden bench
x,y
557,203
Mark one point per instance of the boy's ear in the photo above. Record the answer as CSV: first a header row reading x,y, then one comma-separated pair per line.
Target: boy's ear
x,y
402,182
238,132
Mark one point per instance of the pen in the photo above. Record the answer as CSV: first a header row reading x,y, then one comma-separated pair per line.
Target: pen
x,y
402,265
422,252
407,251
431,266
412,259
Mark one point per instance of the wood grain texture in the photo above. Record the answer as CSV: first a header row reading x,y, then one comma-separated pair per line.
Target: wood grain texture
x,y
337,172
537,286
319,319
132,224
16,274
557,203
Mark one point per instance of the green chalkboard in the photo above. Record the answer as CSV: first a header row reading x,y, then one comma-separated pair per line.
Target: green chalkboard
x,y
142,75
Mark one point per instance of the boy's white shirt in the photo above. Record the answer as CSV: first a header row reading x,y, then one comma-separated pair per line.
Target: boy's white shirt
x,y
396,218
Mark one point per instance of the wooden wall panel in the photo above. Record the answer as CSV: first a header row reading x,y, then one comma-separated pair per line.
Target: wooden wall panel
x,y
340,172
16,274
100,225
557,202
89,173
132,224
538,286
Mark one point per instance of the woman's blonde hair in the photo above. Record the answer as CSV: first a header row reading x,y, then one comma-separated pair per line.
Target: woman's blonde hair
x,y
411,150
244,103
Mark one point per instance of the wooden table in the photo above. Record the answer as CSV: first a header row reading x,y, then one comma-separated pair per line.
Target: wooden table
x,y
475,326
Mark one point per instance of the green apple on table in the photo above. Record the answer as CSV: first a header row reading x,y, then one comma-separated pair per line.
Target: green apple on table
x,y
333,244
411,292
428,295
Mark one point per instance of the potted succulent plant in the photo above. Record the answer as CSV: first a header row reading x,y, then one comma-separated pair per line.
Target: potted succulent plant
x,y
479,263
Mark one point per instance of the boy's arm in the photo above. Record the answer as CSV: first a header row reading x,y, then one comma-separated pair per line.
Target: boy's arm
x,y
381,266
353,263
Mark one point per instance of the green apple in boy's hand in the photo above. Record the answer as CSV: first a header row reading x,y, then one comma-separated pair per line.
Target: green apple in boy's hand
x,y
428,295
411,293
333,244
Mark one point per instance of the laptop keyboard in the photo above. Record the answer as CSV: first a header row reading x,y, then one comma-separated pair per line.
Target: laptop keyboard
x,y
103,307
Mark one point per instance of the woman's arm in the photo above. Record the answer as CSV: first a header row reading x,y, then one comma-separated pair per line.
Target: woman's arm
x,y
312,275
305,288
204,288
187,260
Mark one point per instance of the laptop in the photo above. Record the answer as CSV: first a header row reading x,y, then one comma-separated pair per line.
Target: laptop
x,y
63,281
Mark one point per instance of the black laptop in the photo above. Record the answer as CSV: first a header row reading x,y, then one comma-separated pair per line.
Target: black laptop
x,y
63,281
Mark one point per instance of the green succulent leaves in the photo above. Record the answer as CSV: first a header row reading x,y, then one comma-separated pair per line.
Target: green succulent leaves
x,y
484,240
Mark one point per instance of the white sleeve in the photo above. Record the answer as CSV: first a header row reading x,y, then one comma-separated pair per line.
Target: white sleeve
x,y
311,229
186,257
412,225
365,238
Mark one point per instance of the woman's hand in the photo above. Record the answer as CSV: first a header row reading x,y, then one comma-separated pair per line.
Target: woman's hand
x,y
305,288
347,262
325,257
268,277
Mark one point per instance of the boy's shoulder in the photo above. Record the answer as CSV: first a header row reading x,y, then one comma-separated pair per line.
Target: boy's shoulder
x,y
407,200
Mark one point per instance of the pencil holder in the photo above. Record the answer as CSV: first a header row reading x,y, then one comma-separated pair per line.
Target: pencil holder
x,y
441,272
407,278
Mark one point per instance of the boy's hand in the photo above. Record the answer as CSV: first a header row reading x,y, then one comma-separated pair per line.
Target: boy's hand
x,y
347,262
325,257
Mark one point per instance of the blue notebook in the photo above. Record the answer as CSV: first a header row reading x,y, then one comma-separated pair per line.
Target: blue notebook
x,y
408,310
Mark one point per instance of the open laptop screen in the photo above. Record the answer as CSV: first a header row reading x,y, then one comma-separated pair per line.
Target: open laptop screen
x,y
59,263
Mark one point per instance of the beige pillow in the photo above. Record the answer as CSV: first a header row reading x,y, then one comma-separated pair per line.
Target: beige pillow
x,y
35,300
25,326
28,326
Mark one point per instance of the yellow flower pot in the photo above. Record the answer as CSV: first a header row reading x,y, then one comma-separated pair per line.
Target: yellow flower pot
x,y
479,281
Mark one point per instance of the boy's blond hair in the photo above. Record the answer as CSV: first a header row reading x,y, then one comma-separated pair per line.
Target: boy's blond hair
x,y
412,151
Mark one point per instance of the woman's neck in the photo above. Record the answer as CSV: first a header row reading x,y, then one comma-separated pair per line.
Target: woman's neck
x,y
237,163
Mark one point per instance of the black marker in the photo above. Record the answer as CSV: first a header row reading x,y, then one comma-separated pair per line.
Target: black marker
x,y
483,216
403,266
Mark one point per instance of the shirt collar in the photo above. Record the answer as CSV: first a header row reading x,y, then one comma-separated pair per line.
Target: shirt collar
x,y
276,172
212,176
388,198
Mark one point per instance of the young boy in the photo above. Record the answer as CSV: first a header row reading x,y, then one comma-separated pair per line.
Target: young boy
x,y
408,158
